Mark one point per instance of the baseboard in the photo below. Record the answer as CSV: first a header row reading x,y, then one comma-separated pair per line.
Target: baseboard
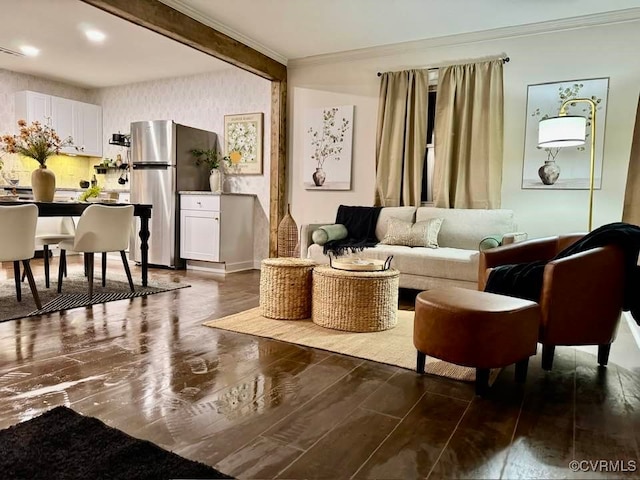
x,y
633,326
211,267
239,266
220,267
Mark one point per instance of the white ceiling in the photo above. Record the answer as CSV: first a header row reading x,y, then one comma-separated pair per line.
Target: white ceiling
x,y
129,54
283,29
295,29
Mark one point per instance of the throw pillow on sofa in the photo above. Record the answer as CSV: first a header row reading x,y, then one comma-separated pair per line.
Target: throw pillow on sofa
x,y
419,234
328,233
490,241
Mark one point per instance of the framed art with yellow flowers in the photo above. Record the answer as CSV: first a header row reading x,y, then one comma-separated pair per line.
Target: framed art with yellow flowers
x,y
243,143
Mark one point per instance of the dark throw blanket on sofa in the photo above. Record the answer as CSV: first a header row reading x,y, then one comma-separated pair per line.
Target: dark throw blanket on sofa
x,y
361,227
524,280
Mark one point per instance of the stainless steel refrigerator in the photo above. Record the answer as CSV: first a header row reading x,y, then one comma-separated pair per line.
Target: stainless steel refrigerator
x,y
161,166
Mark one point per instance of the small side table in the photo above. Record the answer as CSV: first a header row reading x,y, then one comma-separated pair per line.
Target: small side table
x,y
285,288
355,301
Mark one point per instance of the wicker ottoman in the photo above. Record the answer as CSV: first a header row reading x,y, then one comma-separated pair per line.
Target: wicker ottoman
x,y
285,288
355,301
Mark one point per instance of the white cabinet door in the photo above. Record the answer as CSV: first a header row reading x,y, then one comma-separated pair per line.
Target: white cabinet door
x,y
87,128
39,106
200,235
91,121
32,107
62,120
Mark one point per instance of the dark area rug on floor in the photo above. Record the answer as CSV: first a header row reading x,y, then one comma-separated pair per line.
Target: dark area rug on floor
x,y
75,293
62,444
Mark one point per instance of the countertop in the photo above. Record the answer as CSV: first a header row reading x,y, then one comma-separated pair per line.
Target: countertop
x,y
192,192
25,188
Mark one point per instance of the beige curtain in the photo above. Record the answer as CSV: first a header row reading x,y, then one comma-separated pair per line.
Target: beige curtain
x,y
468,136
401,137
631,212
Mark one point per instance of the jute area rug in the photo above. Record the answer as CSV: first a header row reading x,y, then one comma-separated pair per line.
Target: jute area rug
x,y
393,347
75,293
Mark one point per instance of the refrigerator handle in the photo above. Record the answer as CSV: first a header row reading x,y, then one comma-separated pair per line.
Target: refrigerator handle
x,y
150,166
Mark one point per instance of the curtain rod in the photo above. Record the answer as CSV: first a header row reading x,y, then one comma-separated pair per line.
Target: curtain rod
x,y
504,60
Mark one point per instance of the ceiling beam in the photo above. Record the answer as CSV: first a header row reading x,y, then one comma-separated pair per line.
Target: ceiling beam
x,y
160,18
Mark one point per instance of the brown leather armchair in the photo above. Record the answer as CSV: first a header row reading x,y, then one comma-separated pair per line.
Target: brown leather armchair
x,y
582,294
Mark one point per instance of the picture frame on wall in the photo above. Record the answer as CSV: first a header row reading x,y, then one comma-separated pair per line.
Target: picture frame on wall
x,y
243,143
328,142
564,168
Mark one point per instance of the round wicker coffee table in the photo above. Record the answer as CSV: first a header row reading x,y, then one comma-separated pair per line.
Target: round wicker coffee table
x,y
355,301
285,288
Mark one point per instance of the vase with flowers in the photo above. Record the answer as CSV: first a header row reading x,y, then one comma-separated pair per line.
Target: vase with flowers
x,y
39,142
212,159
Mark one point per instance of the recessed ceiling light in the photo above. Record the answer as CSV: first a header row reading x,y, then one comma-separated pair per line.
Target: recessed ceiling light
x,y
29,51
95,35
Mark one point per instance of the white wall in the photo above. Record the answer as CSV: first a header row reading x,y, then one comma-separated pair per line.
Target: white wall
x,y
579,53
199,101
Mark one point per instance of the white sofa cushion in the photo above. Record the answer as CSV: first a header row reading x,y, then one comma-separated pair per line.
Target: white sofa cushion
x,y
452,263
465,228
449,263
403,213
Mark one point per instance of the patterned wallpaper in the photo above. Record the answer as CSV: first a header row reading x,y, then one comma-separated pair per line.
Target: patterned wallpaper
x,y
199,101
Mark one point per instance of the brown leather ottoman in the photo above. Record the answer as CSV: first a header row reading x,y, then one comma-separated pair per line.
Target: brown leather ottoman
x,y
476,329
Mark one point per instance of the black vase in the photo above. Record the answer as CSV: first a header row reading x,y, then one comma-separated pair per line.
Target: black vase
x,y
549,172
319,177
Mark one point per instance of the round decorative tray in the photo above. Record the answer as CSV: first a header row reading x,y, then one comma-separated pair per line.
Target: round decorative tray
x,y
360,265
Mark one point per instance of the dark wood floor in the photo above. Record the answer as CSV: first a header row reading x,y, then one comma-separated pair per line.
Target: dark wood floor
x,y
258,408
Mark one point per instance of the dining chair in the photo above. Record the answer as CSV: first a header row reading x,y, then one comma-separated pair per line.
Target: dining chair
x,y
52,231
100,229
17,243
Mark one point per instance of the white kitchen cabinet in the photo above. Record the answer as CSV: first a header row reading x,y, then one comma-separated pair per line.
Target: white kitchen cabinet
x,y
62,120
70,118
217,228
88,128
33,107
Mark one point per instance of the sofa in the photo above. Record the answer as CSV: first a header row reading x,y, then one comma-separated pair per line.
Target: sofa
x,y
453,263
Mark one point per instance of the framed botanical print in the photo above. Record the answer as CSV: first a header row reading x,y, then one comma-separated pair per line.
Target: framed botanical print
x,y
564,168
243,143
328,145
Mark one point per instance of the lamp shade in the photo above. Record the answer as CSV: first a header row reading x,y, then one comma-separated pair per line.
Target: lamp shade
x,y
567,131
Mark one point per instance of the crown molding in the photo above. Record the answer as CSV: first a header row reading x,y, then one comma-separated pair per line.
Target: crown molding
x,y
573,23
182,7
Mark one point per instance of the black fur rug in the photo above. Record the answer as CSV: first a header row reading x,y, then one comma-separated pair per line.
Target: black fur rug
x,y
62,444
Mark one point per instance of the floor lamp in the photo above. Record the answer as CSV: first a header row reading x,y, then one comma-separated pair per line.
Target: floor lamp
x,y
570,131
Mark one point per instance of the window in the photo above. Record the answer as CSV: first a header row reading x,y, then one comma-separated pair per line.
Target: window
x,y
429,156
